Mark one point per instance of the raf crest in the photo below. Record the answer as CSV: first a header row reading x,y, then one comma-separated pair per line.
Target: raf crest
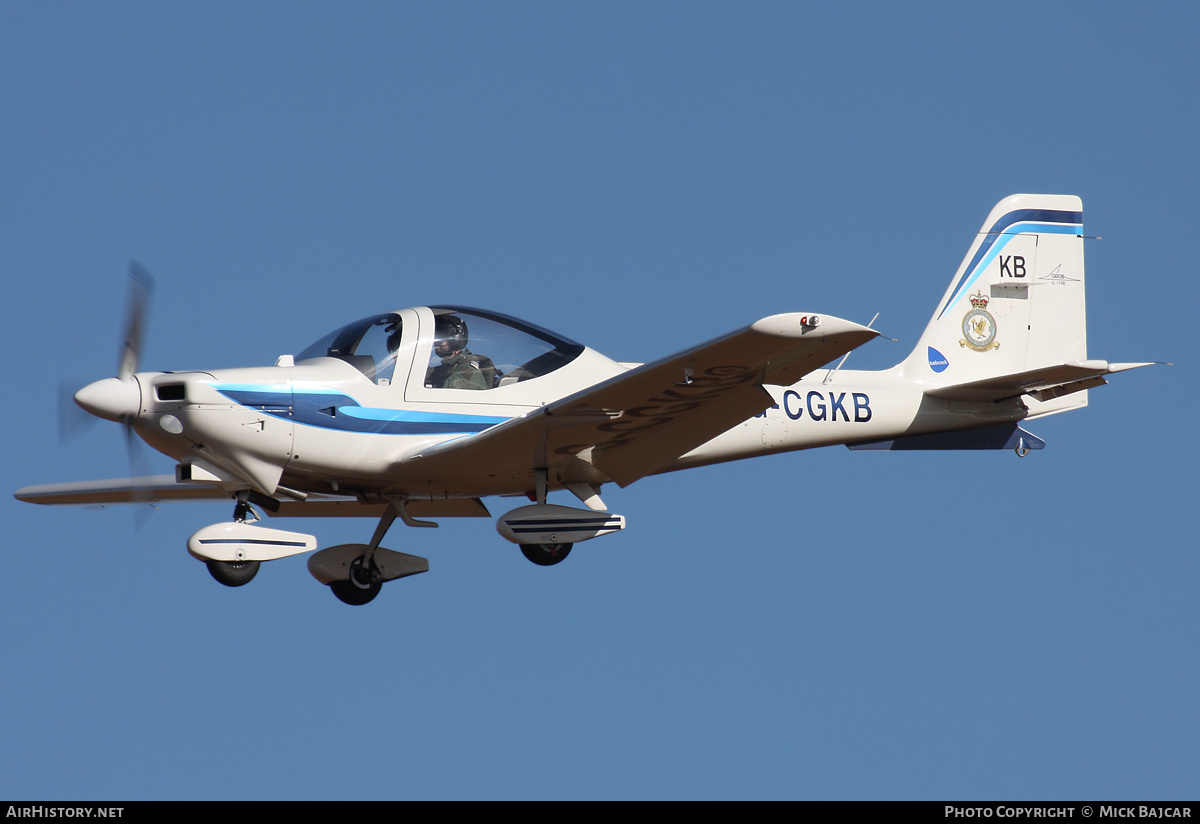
x,y
978,326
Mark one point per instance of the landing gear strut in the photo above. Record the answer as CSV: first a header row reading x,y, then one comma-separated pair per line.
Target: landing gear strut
x,y
236,573
356,572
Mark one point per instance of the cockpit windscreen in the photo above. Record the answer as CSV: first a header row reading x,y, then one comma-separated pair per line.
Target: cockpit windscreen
x,y
369,345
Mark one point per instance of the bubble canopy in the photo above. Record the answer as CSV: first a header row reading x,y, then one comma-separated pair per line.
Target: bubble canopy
x,y
514,349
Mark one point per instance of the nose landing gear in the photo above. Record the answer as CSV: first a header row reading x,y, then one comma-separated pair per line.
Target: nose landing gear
x,y
233,573
234,551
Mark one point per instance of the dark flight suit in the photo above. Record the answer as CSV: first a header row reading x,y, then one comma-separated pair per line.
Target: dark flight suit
x,y
462,370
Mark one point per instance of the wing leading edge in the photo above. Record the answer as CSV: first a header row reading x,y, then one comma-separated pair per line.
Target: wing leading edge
x,y
636,423
153,489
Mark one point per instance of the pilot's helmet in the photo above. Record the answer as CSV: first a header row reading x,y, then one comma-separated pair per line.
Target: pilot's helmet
x,y
452,330
393,338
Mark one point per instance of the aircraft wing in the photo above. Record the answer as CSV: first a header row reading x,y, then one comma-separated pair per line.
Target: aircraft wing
x,y
146,489
638,422
153,489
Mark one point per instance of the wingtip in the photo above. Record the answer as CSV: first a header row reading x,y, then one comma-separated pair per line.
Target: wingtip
x,y
802,324
1122,367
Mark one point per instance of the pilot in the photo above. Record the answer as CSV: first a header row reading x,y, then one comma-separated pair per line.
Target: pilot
x,y
394,331
459,369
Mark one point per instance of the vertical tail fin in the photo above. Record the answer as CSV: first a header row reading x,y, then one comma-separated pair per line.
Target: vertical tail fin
x,y
1016,302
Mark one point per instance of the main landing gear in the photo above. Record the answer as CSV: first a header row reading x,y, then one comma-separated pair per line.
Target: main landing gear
x,y
355,573
546,554
546,532
364,583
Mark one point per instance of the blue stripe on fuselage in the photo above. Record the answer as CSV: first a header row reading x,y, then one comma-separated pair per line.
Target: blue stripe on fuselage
x,y
328,409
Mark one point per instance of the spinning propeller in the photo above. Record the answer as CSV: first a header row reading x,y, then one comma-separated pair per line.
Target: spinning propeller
x,y
118,399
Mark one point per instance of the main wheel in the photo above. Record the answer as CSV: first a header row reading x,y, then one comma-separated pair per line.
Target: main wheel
x,y
362,586
233,573
546,554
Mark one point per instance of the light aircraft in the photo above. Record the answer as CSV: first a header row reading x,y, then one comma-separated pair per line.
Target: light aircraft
x,y
420,413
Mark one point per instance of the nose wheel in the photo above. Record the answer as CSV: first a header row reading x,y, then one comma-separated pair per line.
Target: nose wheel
x,y
233,573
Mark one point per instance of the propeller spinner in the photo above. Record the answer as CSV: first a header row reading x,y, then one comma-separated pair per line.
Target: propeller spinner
x,y
120,398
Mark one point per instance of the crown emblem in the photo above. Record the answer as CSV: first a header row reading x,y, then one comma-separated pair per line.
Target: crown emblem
x,y
978,301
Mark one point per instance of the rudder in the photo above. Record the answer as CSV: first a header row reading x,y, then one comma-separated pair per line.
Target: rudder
x,y
1016,302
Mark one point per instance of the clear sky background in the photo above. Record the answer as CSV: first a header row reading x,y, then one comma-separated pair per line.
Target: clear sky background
x,y
639,177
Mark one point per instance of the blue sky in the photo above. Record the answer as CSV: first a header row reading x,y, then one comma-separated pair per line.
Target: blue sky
x,y
639,177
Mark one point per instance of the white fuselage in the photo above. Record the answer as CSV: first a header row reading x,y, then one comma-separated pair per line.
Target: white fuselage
x,y
320,425
845,407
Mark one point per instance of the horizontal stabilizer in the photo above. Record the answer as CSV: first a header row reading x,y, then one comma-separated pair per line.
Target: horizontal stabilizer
x,y
1043,384
1004,436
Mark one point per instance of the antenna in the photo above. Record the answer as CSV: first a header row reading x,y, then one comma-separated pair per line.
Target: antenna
x,y
829,374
